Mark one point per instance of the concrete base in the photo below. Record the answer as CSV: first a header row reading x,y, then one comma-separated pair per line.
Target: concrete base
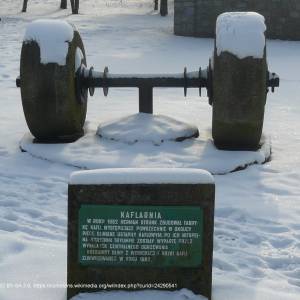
x,y
92,152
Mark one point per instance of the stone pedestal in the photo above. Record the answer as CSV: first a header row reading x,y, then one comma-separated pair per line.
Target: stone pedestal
x,y
140,229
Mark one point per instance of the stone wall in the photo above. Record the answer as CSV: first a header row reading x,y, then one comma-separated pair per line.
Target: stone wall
x,y
198,17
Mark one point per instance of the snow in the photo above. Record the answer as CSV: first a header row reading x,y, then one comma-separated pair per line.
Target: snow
x,y
78,58
143,127
241,34
182,294
142,176
257,230
53,37
93,152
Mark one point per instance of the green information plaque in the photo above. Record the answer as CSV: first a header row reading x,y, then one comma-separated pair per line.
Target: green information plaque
x,y
154,236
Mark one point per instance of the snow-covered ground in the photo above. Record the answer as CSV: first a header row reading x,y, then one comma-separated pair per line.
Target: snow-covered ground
x,y
257,223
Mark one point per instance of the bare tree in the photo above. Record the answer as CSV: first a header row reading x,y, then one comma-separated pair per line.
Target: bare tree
x,y
155,4
163,7
24,5
75,6
72,6
63,4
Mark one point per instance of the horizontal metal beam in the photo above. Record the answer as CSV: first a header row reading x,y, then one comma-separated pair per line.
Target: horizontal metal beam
x,y
190,80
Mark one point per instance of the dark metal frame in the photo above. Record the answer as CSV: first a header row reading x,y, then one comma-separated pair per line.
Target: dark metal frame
x,y
88,79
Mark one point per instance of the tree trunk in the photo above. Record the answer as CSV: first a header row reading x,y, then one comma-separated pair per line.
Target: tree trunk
x,y
155,4
76,7
72,6
24,5
163,7
63,4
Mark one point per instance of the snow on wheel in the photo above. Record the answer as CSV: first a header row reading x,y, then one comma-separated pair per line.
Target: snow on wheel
x,y
239,81
52,51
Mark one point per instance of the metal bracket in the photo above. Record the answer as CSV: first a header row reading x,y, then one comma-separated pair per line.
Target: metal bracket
x,y
81,91
209,83
185,81
200,80
18,81
105,83
273,81
91,88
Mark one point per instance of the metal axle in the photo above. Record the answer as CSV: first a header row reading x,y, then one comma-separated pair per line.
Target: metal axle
x,y
189,80
90,79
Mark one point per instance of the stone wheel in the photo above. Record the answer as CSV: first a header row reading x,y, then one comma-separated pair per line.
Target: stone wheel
x,y
52,111
239,96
